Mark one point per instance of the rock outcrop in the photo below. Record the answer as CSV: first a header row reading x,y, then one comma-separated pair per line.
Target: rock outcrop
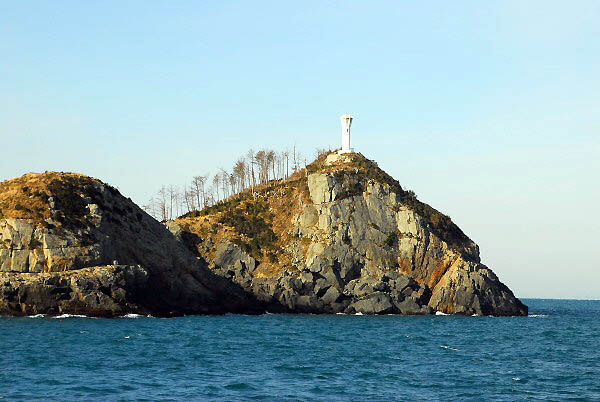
x,y
340,236
103,291
72,244
343,236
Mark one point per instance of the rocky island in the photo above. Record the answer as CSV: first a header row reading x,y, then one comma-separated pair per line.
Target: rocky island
x,y
340,236
72,244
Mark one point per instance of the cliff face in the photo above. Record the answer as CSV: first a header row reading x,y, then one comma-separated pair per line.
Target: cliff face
x,y
375,233
338,236
345,237
71,244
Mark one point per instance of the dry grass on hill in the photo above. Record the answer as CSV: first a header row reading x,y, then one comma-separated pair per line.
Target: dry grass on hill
x,y
261,222
29,196
258,222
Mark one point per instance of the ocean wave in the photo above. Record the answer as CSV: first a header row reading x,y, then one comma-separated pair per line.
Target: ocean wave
x,y
132,315
359,313
449,348
440,313
71,316
538,315
36,316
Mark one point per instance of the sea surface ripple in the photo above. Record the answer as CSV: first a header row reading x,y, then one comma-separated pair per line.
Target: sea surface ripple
x,y
551,355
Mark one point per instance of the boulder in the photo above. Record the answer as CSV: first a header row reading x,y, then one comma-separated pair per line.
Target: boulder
x,y
228,253
375,303
331,296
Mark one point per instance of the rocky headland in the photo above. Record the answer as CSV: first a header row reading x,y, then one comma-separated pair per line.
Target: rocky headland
x,y
340,236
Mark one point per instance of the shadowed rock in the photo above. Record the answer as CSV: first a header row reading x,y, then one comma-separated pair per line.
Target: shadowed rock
x,y
95,252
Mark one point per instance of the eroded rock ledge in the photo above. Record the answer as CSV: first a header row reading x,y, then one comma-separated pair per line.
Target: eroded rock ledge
x,y
103,291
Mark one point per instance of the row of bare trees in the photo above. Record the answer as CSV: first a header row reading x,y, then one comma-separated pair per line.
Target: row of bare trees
x,y
250,170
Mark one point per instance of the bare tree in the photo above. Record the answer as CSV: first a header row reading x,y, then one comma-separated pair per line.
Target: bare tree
x,y
249,170
162,203
282,159
150,208
239,171
198,186
252,161
215,184
319,152
232,183
224,176
188,199
271,162
294,160
173,195
210,195
260,162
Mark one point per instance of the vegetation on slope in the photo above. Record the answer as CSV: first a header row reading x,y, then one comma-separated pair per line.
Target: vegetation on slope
x,y
56,195
260,221
250,170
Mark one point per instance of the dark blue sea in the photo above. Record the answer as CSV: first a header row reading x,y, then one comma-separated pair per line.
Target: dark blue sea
x,y
554,354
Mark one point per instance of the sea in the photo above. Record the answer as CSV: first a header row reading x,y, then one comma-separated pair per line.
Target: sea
x,y
553,354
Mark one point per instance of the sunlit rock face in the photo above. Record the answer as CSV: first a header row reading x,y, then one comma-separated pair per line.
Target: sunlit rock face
x,y
354,242
340,236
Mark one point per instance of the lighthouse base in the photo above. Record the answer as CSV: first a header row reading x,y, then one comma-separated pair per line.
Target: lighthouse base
x,y
346,151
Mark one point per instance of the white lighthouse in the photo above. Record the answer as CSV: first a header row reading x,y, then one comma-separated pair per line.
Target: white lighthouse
x,y
346,120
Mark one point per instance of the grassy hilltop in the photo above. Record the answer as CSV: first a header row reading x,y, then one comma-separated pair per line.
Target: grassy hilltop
x,y
259,220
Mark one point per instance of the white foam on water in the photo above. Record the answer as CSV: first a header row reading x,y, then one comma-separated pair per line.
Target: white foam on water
x,y
71,316
340,313
516,379
440,313
132,315
127,337
359,313
449,348
538,315
36,316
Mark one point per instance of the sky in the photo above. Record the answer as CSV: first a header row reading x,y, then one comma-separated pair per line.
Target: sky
x,y
489,111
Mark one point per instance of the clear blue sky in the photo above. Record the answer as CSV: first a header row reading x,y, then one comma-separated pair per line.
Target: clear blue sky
x,y
489,111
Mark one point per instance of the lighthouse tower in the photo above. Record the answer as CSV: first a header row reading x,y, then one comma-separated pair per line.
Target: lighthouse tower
x,y
346,120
